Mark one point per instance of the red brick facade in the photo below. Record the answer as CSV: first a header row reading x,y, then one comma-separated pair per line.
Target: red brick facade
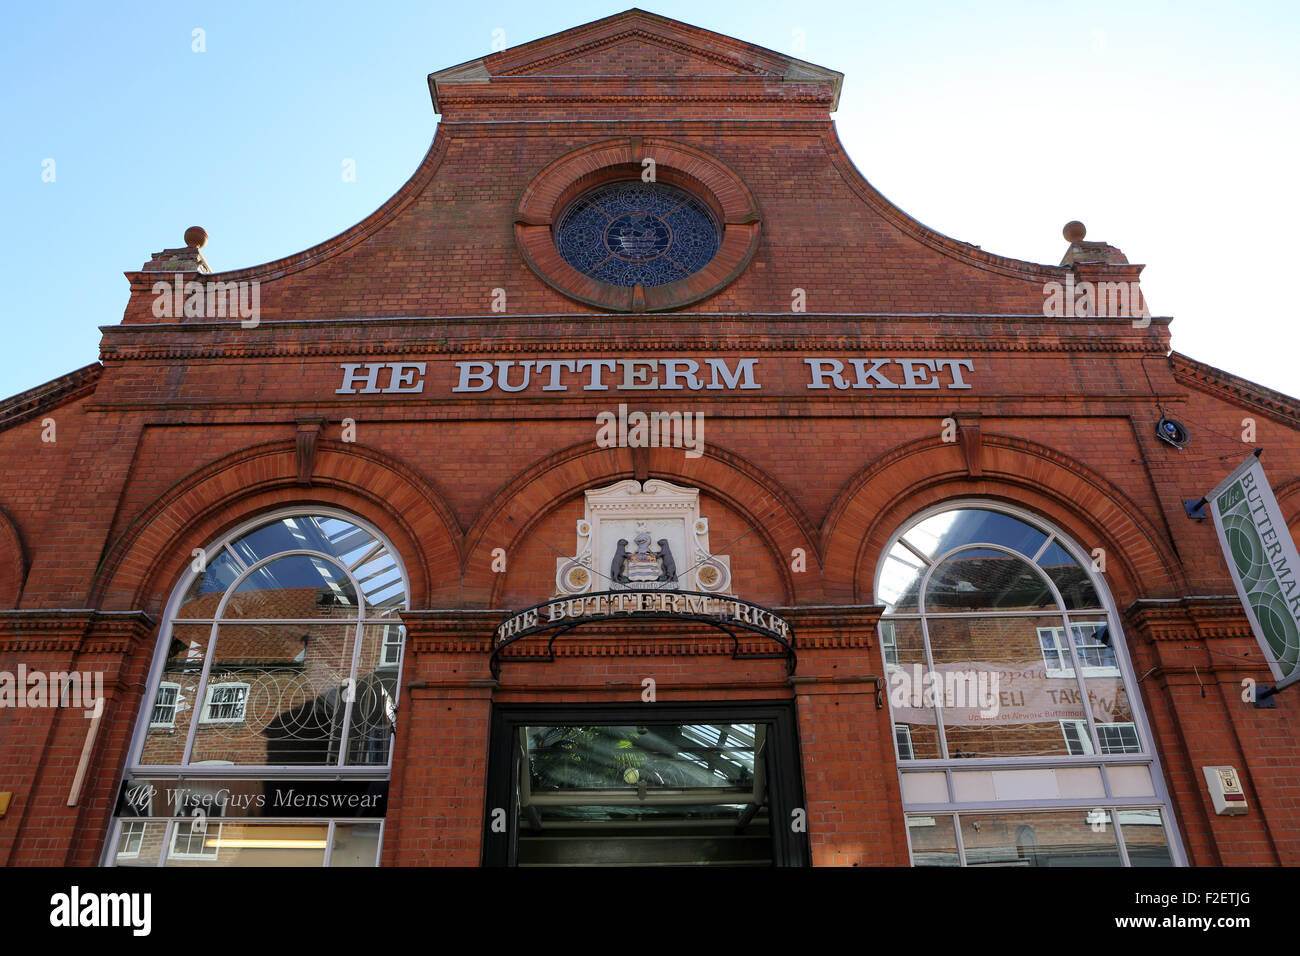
x,y
191,426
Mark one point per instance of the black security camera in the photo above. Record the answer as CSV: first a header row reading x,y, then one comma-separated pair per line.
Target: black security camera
x,y
1171,432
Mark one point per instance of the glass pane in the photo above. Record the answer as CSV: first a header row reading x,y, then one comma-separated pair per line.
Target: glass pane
x,y
205,593
900,580
172,707
1002,699
983,579
299,586
1096,653
226,843
374,708
941,533
355,845
276,695
911,707
934,842
657,795
1069,577
1107,695
381,584
1113,711
330,536
1144,838
624,758
1053,838
139,842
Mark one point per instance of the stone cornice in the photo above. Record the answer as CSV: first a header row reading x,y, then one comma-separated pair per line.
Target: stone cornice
x,y
1240,391
452,631
833,626
671,93
73,631
44,398
587,334
1214,617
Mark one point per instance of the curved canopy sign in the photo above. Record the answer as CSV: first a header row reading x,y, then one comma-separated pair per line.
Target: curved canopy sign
x,y
726,613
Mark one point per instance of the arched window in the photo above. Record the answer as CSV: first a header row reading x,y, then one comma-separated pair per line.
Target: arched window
x,y
279,655
1009,686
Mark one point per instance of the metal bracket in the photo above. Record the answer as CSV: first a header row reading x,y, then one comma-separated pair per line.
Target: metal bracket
x,y
1264,699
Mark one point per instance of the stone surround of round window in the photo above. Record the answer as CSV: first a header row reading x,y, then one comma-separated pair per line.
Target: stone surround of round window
x,y
605,226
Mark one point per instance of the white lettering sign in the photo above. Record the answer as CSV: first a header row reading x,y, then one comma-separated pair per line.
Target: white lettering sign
x,y
641,375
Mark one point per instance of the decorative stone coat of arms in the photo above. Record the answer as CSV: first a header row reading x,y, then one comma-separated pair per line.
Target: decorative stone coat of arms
x,y
636,536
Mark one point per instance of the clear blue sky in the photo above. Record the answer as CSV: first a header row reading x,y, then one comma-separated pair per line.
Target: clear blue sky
x,y
1170,129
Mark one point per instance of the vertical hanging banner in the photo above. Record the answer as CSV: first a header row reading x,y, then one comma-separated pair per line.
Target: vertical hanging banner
x,y
1263,561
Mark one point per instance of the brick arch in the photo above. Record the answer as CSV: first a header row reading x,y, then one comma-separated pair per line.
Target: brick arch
x,y
914,476
13,563
1288,502
144,563
778,521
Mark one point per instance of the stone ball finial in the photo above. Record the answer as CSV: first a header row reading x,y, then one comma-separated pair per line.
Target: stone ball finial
x,y
196,237
1074,231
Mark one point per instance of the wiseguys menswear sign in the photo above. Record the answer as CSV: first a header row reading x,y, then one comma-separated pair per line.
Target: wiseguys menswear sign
x,y
662,374
1263,561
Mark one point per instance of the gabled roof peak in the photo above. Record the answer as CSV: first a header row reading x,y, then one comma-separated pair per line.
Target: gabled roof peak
x,y
632,44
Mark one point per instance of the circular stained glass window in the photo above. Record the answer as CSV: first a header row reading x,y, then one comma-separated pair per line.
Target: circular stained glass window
x,y
638,233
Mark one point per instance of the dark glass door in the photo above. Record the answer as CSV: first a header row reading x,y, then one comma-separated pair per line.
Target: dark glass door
x,y
644,786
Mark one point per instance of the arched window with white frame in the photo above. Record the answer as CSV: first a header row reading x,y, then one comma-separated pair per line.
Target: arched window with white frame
x,y
1012,699
276,674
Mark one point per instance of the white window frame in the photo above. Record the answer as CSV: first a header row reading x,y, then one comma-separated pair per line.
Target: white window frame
x,y
387,645
1082,737
208,703
131,828
209,810
1061,650
1120,726
1080,727
906,736
175,706
889,647
204,852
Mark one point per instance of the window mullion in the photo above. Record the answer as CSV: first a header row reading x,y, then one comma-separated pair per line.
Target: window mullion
x,y
329,845
961,844
1042,548
243,565
1082,682
352,692
200,694
1119,837
938,708
165,850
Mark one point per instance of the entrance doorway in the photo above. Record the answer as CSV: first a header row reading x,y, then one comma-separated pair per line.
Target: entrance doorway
x,y
653,785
